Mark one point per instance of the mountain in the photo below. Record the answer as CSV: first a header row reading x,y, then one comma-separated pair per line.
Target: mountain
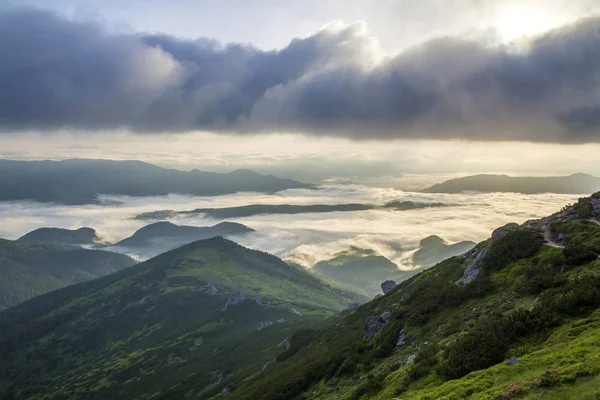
x,y
28,270
159,237
361,269
58,236
80,181
196,321
572,184
516,317
433,249
264,209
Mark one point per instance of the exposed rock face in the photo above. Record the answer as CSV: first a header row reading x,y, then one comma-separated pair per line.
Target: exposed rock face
x,y
411,358
372,326
285,344
235,298
264,325
503,230
226,392
211,290
387,314
401,338
472,270
258,301
388,286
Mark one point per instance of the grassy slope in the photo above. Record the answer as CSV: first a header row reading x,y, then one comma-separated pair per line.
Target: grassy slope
x,y
154,331
28,270
541,308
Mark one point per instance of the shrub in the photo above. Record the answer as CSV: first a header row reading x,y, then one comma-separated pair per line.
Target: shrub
x,y
514,246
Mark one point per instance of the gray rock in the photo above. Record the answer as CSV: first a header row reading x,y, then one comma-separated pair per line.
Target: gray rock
x,y
513,361
387,314
235,298
266,365
221,377
411,358
226,392
258,300
503,230
211,289
285,344
472,271
264,325
401,338
372,326
388,286
281,320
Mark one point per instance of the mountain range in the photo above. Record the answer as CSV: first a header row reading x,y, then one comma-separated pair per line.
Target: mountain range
x,y
29,270
571,184
517,316
81,181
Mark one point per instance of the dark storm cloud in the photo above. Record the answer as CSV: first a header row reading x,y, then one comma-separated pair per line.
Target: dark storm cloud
x,y
56,73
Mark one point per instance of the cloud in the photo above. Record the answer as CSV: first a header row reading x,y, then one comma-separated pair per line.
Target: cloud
x,y
306,237
58,73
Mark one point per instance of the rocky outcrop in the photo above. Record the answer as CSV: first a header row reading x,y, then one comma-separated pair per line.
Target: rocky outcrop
x,y
264,325
285,344
388,286
372,326
503,230
401,338
472,271
235,298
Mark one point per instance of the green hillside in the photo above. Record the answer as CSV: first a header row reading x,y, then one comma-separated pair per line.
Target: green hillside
x,y
195,321
512,318
29,270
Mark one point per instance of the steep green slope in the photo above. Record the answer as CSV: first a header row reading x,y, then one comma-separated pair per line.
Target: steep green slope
x,y
195,321
28,270
511,318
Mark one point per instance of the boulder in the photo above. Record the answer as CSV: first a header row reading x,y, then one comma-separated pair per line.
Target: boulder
x,y
264,325
372,326
388,286
285,344
211,289
472,271
503,230
513,361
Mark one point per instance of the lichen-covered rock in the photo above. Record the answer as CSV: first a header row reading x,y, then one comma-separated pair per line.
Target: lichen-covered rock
x,y
388,286
372,326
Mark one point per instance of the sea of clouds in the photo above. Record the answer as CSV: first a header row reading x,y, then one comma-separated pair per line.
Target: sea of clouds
x,y
306,238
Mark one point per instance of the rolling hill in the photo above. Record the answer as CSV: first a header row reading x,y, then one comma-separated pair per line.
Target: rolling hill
x,y
29,270
81,181
572,184
196,321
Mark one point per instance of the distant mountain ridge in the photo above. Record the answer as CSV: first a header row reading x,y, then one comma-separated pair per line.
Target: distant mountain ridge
x,y
60,236
81,181
163,236
572,184
29,270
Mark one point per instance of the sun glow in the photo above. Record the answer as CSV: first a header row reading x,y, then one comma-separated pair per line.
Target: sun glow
x,y
517,22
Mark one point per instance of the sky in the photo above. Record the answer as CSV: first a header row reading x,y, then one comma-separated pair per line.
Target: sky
x,y
314,90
